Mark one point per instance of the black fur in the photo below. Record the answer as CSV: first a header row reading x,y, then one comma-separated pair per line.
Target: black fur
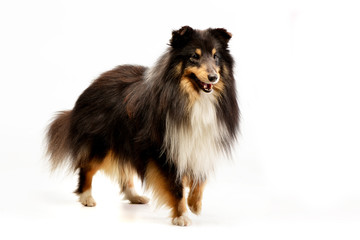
x,y
124,110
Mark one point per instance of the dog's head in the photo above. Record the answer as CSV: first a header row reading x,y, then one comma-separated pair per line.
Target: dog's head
x,y
204,58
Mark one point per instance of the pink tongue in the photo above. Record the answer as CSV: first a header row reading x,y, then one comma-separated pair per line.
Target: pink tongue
x,y
207,86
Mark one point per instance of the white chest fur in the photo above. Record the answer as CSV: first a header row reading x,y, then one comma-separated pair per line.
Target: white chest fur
x,y
196,147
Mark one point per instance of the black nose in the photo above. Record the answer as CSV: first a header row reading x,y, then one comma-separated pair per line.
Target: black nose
x,y
213,77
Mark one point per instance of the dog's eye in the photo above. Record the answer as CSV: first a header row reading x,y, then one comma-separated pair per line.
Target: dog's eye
x,y
217,59
195,57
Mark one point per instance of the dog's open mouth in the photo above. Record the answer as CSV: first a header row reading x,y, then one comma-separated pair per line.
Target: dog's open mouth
x,y
206,87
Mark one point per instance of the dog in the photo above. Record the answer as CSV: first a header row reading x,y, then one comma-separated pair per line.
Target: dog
x,y
169,124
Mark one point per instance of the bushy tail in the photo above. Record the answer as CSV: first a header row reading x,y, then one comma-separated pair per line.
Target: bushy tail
x,y
58,146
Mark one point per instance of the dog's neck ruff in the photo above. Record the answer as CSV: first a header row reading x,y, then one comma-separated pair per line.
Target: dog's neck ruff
x,y
195,147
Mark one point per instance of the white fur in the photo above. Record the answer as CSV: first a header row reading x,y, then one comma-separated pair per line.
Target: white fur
x,y
133,197
86,199
181,221
196,148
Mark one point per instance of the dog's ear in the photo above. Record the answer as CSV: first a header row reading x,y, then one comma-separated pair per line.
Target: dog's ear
x,y
181,37
222,35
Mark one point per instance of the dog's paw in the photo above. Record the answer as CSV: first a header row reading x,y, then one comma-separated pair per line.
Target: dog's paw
x,y
195,207
86,199
194,204
138,200
181,221
133,197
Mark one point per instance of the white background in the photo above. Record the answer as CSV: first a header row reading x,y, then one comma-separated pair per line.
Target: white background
x,y
295,173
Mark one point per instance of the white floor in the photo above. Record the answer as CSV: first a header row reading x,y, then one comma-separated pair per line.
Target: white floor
x,y
35,204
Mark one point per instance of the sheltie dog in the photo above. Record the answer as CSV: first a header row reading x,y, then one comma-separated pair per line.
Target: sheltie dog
x,y
169,124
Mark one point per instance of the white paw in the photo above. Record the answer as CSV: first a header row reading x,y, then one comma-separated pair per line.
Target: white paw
x,y
134,198
86,199
138,199
181,221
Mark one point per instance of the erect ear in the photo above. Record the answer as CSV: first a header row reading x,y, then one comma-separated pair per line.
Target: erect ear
x,y
181,37
222,35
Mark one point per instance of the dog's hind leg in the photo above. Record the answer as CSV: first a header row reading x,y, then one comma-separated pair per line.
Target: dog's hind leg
x,y
84,186
130,194
126,183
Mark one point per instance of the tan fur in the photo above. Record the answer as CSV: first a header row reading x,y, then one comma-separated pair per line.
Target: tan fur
x,y
213,51
195,196
178,68
89,176
219,88
124,173
179,208
156,181
187,86
198,51
200,72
